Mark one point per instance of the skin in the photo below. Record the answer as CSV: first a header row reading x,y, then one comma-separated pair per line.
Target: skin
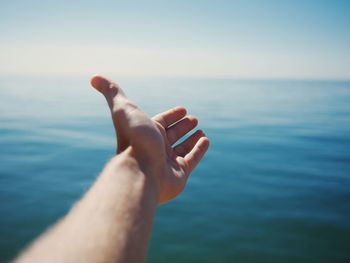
x,y
113,220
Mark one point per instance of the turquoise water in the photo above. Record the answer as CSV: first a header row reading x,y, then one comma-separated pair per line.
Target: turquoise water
x,y
274,186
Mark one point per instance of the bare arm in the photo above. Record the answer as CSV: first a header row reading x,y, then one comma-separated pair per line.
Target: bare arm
x,y
113,221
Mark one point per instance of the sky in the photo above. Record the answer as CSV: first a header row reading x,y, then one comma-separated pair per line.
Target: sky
x,y
215,39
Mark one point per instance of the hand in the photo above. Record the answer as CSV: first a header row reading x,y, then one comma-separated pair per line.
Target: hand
x,y
151,141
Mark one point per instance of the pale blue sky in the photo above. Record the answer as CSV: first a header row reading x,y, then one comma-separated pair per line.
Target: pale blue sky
x,y
238,39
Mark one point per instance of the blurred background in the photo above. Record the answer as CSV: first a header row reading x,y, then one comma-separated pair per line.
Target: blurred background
x,y
268,80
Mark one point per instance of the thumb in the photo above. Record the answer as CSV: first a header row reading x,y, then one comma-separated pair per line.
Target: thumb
x,y
114,96
107,87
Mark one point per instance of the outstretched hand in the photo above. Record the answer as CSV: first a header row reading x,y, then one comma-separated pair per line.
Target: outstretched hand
x,y
112,222
152,141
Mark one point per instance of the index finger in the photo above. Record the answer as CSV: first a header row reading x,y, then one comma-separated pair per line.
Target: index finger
x,y
171,116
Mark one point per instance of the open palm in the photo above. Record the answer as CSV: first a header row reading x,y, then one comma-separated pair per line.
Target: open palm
x,y
152,141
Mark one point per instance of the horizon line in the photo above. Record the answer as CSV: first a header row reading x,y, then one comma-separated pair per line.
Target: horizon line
x,y
113,75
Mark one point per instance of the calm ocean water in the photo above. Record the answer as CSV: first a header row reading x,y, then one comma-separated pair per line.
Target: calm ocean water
x,y
274,187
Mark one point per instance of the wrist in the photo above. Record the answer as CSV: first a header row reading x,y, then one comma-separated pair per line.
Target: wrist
x,y
127,170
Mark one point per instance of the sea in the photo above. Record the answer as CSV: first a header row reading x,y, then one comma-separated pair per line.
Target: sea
x,y
273,187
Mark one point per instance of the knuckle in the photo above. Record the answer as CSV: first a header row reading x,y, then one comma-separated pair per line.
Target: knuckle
x,y
160,119
114,88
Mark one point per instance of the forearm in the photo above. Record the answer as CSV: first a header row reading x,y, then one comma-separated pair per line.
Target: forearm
x,y
112,222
